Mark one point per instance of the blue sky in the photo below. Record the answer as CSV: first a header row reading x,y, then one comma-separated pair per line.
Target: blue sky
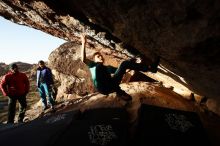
x,y
25,44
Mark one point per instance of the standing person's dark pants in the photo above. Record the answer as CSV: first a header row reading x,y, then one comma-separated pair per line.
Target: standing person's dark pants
x,y
12,108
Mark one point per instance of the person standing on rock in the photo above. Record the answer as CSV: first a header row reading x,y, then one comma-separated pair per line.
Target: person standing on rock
x,y
45,84
16,86
103,81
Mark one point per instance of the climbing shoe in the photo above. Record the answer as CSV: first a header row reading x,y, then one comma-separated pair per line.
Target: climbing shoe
x,y
154,66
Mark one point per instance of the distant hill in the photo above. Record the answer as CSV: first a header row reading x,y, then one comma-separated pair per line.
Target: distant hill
x,y
23,67
3,68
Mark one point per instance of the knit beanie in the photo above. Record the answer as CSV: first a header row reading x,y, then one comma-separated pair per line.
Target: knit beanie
x,y
12,66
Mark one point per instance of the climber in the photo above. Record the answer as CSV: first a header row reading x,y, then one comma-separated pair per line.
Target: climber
x,y
101,74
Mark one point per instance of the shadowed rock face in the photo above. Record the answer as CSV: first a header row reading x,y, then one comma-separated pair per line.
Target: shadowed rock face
x,y
185,33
